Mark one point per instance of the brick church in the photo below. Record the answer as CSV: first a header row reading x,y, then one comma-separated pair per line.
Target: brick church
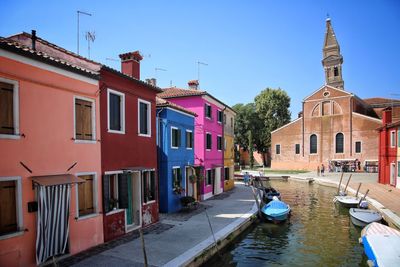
x,y
335,127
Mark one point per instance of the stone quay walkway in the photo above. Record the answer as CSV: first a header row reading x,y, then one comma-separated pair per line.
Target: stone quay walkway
x,y
179,237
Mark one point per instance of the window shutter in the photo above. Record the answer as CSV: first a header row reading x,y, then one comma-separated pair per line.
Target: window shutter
x,y
81,198
89,194
87,120
179,138
6,108
78,120
8,214
106,193
123,191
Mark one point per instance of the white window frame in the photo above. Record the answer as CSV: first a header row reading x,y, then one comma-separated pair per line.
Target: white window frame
x,y
16,134
219,136
205,115
122,95
189,148
208,149
393,139
222,117
93,141
173,128
95,197
355,147
18,204
148,117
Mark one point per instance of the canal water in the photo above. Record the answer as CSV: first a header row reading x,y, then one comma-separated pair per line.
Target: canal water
x,y
318,233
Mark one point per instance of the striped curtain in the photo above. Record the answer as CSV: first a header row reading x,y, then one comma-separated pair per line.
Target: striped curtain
x,y
52,221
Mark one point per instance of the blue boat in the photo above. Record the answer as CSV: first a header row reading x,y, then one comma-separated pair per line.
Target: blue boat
x,y
276,211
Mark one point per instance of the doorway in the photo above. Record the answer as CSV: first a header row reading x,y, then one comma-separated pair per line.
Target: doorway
x,y
134,210
392,173
217,182
189,185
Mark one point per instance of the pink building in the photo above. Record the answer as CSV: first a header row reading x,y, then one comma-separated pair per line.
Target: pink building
x,y
50,167
208,136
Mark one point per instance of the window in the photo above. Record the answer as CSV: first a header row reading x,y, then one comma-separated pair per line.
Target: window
x,y
208,141
175,137
9,119
189,139
225,144
224,119
116,112
113,191
393,139
219,116
144,118
277,149
339,140
208,110
176,177
313,144
297,148
86,202
326,108
232,123
209,174
84,119
219,142
336,71
227,173
398,137
149,186
358,147
10,205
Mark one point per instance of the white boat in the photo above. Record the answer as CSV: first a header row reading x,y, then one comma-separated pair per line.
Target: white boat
x,y
362,217
347,201
381,245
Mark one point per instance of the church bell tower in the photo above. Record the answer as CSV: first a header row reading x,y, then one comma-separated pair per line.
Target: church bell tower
x,y
332,59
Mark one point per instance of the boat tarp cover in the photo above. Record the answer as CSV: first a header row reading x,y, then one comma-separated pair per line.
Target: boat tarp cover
x,y
275,207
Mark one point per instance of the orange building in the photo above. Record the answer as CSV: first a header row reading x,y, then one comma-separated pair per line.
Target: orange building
x,y
49,147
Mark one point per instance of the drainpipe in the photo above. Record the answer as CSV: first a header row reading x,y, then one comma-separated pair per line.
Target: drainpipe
x,y
158,126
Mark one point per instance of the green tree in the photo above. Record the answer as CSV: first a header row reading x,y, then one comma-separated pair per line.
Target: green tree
x,y
246,120
272,107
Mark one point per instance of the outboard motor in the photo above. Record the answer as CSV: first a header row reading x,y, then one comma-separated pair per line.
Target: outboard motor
x,y
363,204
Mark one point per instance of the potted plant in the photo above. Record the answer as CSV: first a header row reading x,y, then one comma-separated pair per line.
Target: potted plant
x,y
192,178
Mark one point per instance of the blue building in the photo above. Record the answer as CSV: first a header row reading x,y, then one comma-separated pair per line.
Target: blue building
x,y
175,132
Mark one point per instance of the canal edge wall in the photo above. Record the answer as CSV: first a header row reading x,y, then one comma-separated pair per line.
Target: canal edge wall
x,y
389,216
203,251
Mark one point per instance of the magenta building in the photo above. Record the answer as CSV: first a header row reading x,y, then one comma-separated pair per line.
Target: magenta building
x,y
208,136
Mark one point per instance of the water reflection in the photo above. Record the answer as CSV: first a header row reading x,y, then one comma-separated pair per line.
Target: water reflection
x,y
318,233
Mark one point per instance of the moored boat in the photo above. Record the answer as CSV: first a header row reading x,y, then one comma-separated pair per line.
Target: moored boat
x,y
276,211
362,217
381,244
348,201
269,193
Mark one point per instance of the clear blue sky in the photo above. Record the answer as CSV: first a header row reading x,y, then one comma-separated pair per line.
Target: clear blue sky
x,y
248,45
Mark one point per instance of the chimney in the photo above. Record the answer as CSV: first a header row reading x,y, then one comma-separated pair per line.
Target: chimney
x,y
387,116
130,64
193,84
33,37
152,81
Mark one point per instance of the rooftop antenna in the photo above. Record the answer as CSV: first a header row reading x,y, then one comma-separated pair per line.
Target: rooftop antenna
x,y
112,59
198,69
77,14
158,69
90,37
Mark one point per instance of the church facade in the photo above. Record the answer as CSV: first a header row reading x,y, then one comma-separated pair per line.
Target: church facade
x,y
335,128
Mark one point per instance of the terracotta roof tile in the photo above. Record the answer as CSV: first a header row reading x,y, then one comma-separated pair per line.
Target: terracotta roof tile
x,y
165,103
42,56
380,101
179,92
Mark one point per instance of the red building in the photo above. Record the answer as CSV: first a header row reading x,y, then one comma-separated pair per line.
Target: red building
x,y
128,139
389,146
